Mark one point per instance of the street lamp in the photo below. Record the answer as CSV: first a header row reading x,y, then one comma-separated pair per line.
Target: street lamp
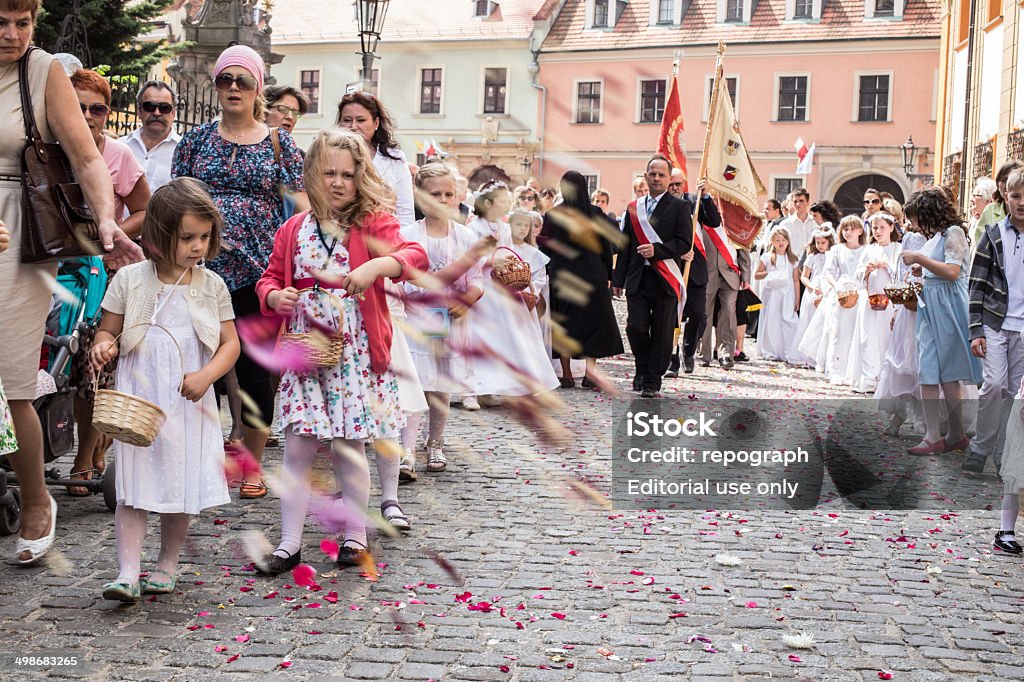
x,y
370,15
527,164
909,152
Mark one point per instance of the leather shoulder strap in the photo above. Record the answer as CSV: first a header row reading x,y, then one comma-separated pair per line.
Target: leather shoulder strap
x,y
27,111
275,140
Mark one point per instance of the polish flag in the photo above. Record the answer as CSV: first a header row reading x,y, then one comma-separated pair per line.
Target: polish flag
x,y
805,157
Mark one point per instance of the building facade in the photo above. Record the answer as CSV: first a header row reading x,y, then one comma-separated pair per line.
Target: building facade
x,y
453,73
981,122
854,77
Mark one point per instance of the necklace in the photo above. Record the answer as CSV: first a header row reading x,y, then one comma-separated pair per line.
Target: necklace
x,y
224,130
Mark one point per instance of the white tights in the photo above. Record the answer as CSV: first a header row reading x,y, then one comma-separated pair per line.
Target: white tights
x,y
438,421
351,473
130,524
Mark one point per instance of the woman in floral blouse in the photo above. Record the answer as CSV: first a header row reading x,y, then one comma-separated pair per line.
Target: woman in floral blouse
x,y
246,172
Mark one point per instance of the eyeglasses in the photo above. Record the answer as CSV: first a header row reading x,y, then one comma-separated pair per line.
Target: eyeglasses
x,y
529,197
872,201
286,111
245,82
162,107
97,110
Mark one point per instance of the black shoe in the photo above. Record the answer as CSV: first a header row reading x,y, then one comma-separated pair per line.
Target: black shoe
x,y
688,364
741,357
671,374
705,363
650,393
272,564
352,555
726,363
1008,546
588,384
973,464
638,383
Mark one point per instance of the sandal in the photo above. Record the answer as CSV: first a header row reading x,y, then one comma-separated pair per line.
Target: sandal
x,y
393,514
149,586
252,491
122,591
81,475
352,555
436,461
407,469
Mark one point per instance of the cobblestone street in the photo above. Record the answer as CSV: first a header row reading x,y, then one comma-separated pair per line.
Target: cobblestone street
x,y
545,583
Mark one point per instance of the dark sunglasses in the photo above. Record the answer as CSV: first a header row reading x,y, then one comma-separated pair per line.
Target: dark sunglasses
x,y
162,107
245,82
96,110
872,201
286,111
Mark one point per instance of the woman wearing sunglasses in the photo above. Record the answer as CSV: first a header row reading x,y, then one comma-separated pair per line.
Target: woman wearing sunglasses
x,y
237,157
131,194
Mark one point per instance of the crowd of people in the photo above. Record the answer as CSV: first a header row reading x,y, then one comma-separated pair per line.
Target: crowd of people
x,y
348,297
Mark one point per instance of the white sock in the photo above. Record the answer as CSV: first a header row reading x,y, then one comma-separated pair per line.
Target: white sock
x,y
1008,516
130,525
353,472
299,453
411,431
387,472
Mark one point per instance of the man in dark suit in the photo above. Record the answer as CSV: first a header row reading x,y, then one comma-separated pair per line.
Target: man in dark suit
x,y
694,315
660,228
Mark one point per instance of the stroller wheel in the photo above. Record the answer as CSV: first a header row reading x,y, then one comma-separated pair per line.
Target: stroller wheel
x,y
109,478
10,515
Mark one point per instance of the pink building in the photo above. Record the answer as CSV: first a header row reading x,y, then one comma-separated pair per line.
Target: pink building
x,y
854,77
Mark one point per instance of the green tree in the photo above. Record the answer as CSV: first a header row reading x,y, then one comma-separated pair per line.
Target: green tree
x,y
113,28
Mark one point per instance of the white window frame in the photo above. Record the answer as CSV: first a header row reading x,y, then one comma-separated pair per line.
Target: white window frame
x,y
722,6
576,100
482,97
640,97
597,182
491,6
776,82
791,11
591,13
709,78
784,176
420,68
320,82
677,14
897,10
855,115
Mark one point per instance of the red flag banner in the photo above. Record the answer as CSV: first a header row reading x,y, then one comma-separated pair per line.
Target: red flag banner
x,y
730,173
670,140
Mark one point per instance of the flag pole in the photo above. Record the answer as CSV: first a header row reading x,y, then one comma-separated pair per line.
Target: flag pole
x,y
704,153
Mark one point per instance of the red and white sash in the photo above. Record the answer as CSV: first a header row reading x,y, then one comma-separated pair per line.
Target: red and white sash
x,y
725,249
645,234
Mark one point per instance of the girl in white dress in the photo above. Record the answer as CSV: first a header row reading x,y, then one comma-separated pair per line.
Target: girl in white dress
x,y
841,276
327,272
879,263
525,246
437,306
780,297
822,239
168,319
510,360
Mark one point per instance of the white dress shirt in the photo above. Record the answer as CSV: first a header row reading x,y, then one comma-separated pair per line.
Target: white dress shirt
x,y
1013,262
800,231
156,162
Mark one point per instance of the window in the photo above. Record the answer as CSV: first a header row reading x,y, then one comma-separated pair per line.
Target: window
x,y
874,98
995,10
592,182
885,8
652,100
792,98
495,90
483,8
730,84
588,102
734,10
666,8
430,91
804,9
783,186
310,85
601,12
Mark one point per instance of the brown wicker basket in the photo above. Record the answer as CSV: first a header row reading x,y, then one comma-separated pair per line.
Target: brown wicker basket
x,y
318,348
126,417
514,273
905,295
847,299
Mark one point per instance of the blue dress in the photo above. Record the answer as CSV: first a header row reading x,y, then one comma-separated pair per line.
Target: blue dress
x,y
245,183
943,342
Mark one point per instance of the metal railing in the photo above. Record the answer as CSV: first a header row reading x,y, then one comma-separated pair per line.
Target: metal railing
x,y
197,104
1015,145
982,160
951,172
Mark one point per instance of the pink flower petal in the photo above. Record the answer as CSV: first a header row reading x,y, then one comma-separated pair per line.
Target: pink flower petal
x,y
304,575
332,597
795,659
884,675
559,616
220,648
242,638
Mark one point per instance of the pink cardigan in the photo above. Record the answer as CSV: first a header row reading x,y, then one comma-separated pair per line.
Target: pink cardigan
x,y
377,236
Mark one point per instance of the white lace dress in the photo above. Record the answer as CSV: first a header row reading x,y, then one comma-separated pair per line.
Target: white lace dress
x,y
872,333
815,264
347,400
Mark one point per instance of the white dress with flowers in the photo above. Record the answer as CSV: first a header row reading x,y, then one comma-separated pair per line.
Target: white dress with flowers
x,y
348,400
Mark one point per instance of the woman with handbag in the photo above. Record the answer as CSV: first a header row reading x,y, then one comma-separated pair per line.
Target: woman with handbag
x,y
53,116
246,165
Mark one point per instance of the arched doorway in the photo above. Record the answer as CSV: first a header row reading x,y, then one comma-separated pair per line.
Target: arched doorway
x,y
481,174
850,195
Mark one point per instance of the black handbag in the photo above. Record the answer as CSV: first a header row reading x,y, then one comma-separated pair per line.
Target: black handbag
x,y
56,222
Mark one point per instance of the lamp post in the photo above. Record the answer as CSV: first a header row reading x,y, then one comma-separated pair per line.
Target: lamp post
x,y
909,152
370,15
527,164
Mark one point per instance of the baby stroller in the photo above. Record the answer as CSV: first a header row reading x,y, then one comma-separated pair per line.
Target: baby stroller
x,y
70,316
